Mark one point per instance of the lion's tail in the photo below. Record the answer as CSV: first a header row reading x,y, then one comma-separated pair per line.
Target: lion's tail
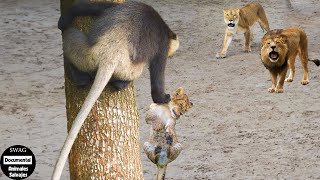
x,y
316,61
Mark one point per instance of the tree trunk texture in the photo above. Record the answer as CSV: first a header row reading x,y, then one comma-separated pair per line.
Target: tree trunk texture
x,y
107,146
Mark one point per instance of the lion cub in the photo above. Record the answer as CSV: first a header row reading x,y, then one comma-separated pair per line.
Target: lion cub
x,y
241,20
163,146
279,50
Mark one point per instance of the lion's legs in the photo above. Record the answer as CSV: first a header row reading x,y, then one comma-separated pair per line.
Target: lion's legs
x,y
251,38
248,39
304,62
303,54
274,82
291,61
226,43
263,22
282,76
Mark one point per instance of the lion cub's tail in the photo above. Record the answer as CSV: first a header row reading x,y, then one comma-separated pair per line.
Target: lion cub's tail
x,y
316,61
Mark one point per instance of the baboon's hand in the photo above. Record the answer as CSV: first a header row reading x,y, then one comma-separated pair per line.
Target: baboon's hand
x,y
64,22
161,99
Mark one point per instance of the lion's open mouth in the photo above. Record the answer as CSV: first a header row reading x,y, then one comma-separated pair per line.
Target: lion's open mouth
x,y
231,25
273,55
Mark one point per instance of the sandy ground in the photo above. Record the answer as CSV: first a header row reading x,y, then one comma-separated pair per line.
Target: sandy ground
x,y
236,129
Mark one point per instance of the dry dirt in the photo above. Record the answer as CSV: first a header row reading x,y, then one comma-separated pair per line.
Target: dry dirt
x,y
236,129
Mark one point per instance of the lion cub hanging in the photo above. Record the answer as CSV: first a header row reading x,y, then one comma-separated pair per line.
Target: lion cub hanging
x,y
241,20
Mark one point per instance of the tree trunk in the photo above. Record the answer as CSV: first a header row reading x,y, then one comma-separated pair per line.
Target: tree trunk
x,y
107,146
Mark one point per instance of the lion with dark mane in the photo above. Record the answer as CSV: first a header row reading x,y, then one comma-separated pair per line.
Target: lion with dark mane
x,y
278,53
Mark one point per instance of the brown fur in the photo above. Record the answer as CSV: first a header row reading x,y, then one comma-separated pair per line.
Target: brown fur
x,y
243,19
163,146
288,44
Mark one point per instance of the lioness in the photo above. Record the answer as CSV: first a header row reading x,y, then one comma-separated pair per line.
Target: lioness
x,y
241,20
279,50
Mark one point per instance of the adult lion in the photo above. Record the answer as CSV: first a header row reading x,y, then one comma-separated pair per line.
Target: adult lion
x,y
278,53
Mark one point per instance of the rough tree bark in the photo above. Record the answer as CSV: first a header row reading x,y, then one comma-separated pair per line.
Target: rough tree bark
x,y
107,146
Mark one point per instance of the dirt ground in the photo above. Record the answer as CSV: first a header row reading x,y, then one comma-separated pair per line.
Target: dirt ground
x,y
236,129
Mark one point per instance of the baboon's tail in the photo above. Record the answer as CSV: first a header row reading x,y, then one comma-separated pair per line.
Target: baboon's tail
x,y
101,80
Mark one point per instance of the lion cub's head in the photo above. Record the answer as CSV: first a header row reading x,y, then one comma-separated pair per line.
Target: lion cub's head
x,y
231,17
180,102
274,48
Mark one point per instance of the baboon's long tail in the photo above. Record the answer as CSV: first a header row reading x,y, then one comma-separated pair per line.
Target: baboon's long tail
x,y
101,80
316,61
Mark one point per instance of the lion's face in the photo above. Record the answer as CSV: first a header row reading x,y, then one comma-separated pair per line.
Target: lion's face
x,y
180,102
231,17
274,49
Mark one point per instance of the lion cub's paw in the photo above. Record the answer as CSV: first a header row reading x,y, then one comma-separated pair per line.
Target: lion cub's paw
x,y
220,55
279,90
289,80
305,82
271,90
